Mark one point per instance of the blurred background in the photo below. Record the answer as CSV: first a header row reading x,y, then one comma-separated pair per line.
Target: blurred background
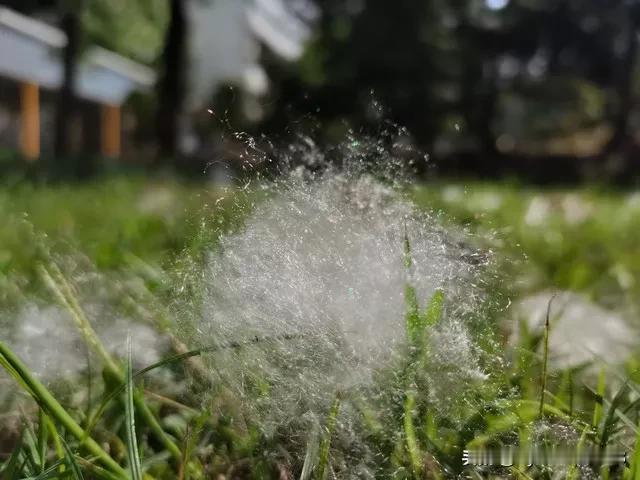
x,y
123,124
543,90
132,132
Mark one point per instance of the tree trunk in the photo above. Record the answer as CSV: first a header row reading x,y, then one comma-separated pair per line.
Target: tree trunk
x,y
479,105
66,101
624,85
171,87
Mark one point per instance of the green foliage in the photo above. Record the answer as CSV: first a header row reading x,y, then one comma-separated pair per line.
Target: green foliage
x,y
134,29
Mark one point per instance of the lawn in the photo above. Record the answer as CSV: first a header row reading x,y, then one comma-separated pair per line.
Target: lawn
x,y
129,248
581,239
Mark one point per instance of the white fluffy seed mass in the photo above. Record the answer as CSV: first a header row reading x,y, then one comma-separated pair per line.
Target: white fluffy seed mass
x,y
49,343
308,299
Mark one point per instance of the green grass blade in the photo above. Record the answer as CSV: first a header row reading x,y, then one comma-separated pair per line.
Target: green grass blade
x,y
407,249
70,460
194,431
31,449
600,392
545,358
63,291
433,312
132,442
57,442
53,471
43,438
412,315
325,444
410,435
97,472
311,453
611,419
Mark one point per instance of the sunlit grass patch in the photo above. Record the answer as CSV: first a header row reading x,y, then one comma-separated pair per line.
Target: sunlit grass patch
x,y
441,389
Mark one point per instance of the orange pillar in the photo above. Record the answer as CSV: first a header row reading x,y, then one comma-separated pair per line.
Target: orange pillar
x,y
30,120
110,126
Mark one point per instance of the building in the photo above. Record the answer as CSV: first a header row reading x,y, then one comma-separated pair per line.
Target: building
x,y
31,72
227,37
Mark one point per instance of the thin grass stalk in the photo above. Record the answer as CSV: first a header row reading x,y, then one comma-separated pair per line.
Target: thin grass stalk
x,y
52,471
545,358
31,448
570,393
43,439
611,420
130,420
190,441
98,472
597,409
57,443
71,461
66,296
311,453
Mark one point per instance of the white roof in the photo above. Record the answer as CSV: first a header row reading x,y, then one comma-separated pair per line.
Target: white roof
x,y
124,66
276,24
226,38
30,50
28,26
